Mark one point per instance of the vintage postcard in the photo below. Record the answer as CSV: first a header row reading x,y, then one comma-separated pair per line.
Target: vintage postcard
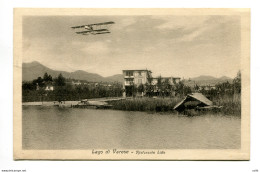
x,y
132,84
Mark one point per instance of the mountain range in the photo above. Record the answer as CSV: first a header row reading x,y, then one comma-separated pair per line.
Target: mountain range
x,y
207,80
35,69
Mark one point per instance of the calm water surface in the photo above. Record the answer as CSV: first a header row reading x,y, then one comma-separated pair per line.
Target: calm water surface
x,y
66,128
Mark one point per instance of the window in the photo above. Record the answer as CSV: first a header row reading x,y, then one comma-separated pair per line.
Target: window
x,y
129,73
129,79
140,73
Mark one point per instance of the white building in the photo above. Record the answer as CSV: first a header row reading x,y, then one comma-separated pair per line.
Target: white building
x,y
137,77
49,88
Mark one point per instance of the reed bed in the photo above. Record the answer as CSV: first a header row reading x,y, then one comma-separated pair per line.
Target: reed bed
x,y
231,105
146,104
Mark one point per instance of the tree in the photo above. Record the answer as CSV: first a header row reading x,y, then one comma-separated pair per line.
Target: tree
x,y
133,89
28,86
180,88
166,87
149,88
224,88
237,83
60,81
60,91
39,82
149,79
159,85
140,88
196,87
47,78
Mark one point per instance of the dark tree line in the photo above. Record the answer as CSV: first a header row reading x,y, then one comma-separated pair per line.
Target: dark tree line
x,y
164,88
224,89
64,91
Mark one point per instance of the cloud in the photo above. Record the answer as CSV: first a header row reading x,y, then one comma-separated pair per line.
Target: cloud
x,y
186,22
191,26
95,48
191,36
197,28
168,45
127,22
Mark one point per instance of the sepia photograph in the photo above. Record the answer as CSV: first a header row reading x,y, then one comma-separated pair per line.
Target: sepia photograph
x,y
132,84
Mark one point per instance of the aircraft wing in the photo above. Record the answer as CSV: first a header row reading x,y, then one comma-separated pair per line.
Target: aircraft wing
x,y
102,33
87,31
76,27
100,30
105,23
82,26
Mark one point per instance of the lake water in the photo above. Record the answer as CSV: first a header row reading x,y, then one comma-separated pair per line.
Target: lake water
x,y
66,128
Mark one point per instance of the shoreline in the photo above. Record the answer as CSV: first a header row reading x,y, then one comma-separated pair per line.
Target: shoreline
x,y
69,103
147,104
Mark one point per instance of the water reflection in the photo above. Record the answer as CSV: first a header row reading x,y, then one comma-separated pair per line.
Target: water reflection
x,y
59,128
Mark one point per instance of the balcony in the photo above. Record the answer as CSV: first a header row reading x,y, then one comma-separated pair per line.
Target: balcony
x,y
128,83
129,76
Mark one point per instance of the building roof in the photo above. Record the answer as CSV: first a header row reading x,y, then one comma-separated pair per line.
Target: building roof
x,y
197,96
138,70
166,77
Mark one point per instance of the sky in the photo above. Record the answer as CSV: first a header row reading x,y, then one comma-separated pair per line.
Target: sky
x,y
178,46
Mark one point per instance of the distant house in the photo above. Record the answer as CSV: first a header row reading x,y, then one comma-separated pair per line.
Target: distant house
x,y
49,88
171,80
207,87
76,83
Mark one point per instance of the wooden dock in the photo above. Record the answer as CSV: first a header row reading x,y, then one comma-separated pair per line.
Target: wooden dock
x,y
105,99
83,106
98,103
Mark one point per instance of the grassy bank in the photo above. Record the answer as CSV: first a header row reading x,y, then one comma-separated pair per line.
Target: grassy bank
x,y
146,104
230,104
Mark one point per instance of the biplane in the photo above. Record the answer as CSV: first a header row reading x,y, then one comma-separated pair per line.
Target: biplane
x,y
94,29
